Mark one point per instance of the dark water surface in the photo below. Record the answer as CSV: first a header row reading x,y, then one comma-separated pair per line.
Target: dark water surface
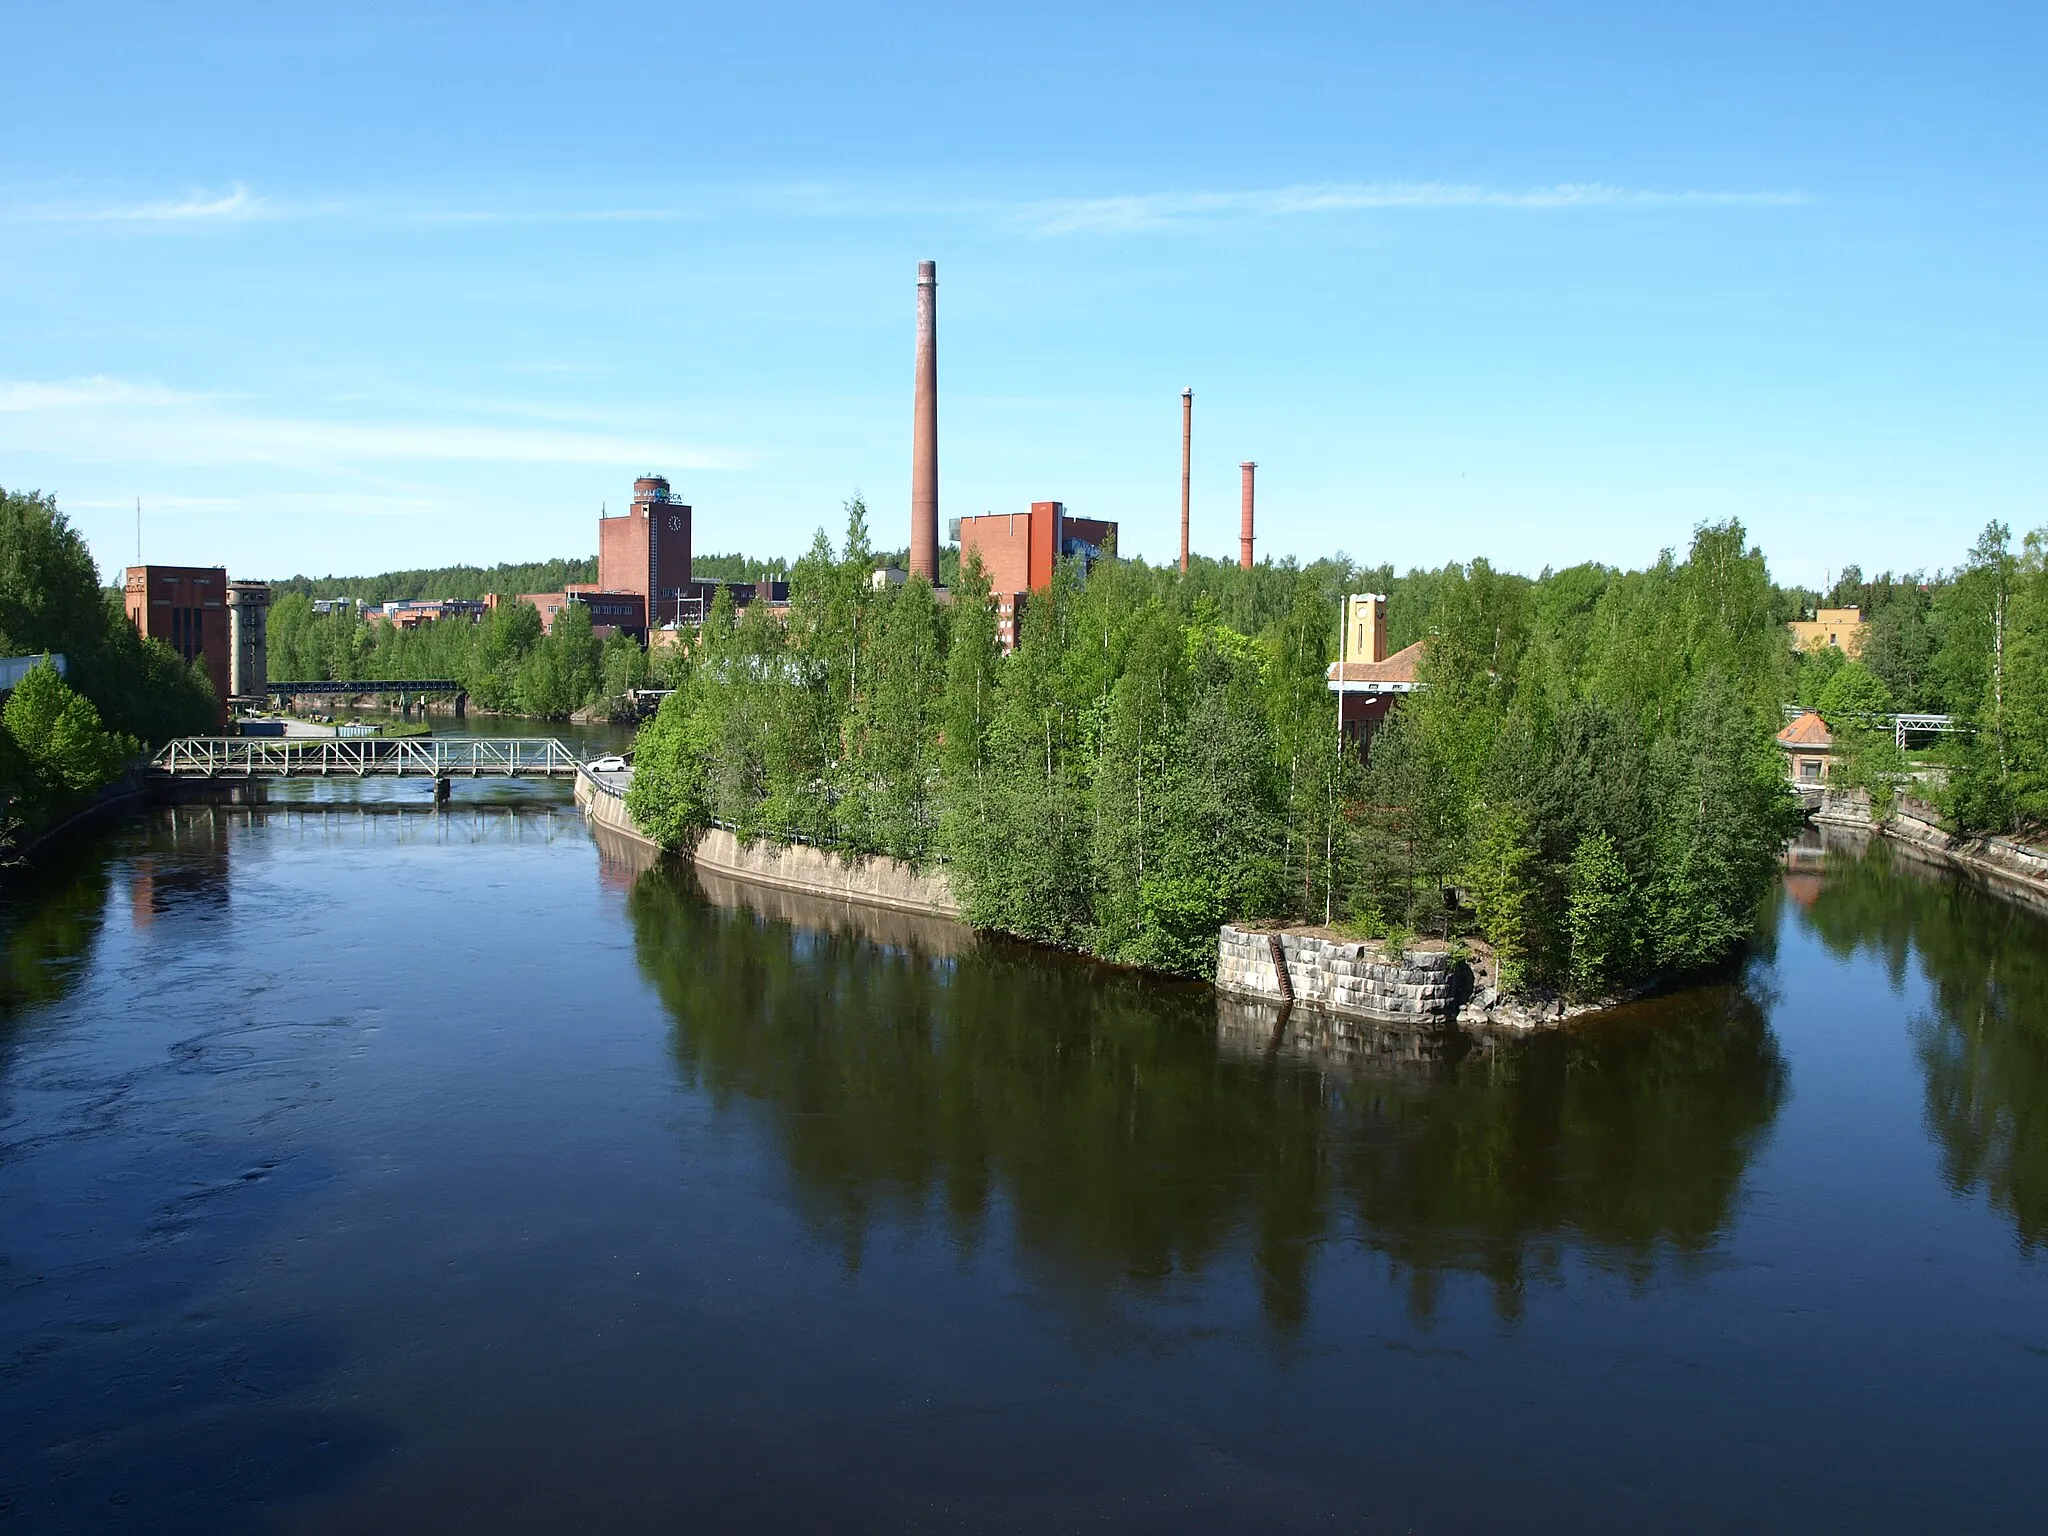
x,y
366,1169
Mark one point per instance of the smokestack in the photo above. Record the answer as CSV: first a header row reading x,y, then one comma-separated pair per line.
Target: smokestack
x,y
1187,441
1244,531
924,443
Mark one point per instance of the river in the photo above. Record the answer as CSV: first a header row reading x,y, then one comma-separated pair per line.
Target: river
x,y
364,1168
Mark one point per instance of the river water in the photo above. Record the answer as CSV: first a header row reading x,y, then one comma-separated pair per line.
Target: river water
x,y
364,1168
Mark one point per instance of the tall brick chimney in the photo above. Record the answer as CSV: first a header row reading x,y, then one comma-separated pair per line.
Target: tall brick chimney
x,y
1244,530
1187,442
924,441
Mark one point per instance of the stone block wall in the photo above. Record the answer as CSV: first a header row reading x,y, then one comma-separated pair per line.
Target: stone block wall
x,y
794,866
1252,1029
1345,976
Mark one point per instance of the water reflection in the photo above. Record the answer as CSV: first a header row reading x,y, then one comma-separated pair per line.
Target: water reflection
x,y
1132,1132
48,927
1982,1041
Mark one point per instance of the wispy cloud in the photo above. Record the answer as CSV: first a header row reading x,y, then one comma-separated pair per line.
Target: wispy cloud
x,y
1162,210
813,202
237,205
712,204
141,422
98,392
327,505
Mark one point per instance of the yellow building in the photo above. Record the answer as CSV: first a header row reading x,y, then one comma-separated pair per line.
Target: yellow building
x,y
1839,629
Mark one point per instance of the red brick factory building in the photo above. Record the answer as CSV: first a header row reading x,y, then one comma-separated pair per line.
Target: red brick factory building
x,y
186,607
1021,550
644,585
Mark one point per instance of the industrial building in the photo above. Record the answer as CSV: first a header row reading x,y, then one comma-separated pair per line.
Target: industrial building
x,y
248,640
645,587
646,549
1021,550
1809,748
412,613
611,613
186,607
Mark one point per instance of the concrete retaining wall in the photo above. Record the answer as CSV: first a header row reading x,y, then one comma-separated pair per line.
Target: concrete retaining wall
x,y
1341,976
2016,869
1844,808
793,866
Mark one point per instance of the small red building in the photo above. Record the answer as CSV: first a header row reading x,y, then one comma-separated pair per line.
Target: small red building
x,y
1367,681
1809,749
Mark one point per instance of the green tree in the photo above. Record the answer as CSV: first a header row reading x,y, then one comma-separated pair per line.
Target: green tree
x,y
1972,664
51,601
1601,916
891,751
973,657
668,796
1853,694
1499,882
58,734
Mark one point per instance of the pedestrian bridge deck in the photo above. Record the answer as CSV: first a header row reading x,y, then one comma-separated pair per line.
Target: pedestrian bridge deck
x,y
427,757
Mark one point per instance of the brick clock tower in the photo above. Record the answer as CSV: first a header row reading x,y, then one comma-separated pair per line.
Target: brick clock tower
x,y
647,549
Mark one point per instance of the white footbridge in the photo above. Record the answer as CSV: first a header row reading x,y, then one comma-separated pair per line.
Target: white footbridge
x,y
399,757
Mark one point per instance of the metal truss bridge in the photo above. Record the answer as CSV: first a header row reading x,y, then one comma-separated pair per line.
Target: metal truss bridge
x,y
1899,725
363,685
400,757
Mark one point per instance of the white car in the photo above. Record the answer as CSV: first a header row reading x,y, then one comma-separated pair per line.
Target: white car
x,y
611,764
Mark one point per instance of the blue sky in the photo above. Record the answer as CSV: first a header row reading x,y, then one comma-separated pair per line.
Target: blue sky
x,y
402,285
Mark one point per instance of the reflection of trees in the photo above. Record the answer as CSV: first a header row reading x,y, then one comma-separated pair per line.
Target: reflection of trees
x,y
1983,1044
51,920
1625,1141
1095,1109
54,910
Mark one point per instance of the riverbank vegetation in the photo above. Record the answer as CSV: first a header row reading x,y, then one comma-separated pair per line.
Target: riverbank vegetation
x,y
1972,643
1587,781
64,738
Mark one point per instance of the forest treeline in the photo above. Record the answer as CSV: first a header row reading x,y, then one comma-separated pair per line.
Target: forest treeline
x,y
466,583
62,738
504,660
1588,781
1971,642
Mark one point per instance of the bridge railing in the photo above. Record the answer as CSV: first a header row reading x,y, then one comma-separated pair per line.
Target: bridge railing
x,y
283,757
365,685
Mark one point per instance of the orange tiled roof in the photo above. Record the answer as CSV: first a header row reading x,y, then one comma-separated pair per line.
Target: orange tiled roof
x,y
1397,668
1809,730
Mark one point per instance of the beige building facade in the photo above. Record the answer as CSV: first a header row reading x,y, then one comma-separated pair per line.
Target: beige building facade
x,y
1839,629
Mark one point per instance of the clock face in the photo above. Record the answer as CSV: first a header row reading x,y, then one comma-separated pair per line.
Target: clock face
x,y
675,525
